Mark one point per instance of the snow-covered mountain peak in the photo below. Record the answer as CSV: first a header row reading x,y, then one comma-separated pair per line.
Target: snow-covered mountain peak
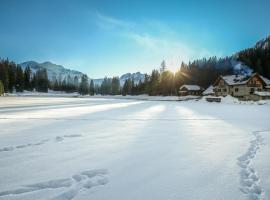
x,y
54,71
264,43
135,76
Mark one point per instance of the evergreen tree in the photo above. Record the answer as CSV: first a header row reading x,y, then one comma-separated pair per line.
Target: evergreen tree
x,y
42,82
106,86
167,83
27,79
11,76
1,88
162,66
19,83
4,74
115,86
76,83
92,88
83,90
154,83
34,82
127,88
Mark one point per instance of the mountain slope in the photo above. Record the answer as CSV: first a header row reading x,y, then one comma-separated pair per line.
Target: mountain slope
x,y
54,71
137,77
257,57
263,44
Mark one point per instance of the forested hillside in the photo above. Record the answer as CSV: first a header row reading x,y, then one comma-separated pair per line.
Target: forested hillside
x,y
257,57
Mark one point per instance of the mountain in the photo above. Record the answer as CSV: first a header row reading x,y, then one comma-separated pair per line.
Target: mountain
x,y
54,71
257,57
263,44
135,76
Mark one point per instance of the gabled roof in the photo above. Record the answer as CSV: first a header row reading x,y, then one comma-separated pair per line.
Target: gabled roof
x,y
266,80
236,79
191,87
241,79
209,90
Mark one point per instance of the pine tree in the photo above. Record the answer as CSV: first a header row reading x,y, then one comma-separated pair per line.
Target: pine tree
x,y
92,88
115,86
34,82
4,74
167,83
154,83
27,79
106,86
42,82
19,83
83,90
11,76
127,88
76,83
1,88
162,67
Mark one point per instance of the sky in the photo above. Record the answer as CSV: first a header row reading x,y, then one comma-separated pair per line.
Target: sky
x,y
113,37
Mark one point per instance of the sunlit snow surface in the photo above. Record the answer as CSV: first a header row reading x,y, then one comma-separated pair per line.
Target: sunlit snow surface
x,y
82,148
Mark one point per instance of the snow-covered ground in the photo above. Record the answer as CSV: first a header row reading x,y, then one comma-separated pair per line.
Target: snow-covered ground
x,y
96,148
50,93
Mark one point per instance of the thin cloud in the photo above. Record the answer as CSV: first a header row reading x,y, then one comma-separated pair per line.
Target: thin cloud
x,y
108,22
164,45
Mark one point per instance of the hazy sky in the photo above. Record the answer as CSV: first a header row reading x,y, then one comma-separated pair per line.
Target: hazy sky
x,y
112,37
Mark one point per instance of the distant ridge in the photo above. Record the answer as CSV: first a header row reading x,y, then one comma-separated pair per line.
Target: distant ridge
x,y
137,77
54,71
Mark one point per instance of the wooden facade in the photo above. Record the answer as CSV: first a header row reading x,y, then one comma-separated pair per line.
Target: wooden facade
x,y
242,87
190,90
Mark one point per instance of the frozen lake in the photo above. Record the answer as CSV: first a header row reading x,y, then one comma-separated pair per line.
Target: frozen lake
x,y
94,148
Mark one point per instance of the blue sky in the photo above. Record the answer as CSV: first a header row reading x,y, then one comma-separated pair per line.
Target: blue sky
x,y
112,37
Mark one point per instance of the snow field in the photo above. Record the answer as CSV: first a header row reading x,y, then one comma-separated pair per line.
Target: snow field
x,y
72,148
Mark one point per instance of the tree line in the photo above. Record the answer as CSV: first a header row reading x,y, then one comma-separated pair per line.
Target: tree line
x,y
257,58
161,81
14,78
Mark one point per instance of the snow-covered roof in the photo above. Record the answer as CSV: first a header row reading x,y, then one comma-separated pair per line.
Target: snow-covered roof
x,y
242,79
209,90
266,80
265,94
236,79
191,87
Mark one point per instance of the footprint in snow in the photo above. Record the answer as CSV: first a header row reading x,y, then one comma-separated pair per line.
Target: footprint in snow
x,y
61,138
74,185
57,139
249,179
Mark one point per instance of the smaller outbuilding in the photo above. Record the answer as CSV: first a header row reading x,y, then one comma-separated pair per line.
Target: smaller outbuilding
x,y
209,91
263,95
190,90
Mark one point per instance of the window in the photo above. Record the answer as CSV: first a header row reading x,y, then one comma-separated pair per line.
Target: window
x,y
219,90
224,90
236,89
251,90
259,89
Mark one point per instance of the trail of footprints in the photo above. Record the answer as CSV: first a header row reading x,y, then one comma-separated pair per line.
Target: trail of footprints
x,y
74,185
249,179
41,142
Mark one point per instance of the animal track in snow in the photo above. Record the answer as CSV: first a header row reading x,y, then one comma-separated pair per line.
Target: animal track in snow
x,y
41,142
23,146
61,138
75,184
249,179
